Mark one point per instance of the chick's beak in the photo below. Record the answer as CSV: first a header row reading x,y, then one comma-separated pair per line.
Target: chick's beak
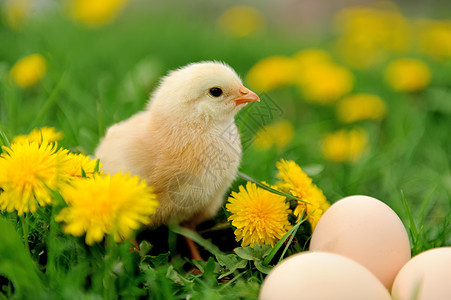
x,y
246,96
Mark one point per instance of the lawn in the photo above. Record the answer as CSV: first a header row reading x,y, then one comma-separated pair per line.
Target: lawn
x,y
362,104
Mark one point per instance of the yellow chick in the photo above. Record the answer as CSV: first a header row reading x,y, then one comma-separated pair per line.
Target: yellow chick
x,y
185,143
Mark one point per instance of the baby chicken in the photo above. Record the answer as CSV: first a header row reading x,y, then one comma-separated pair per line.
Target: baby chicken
x,y
185,143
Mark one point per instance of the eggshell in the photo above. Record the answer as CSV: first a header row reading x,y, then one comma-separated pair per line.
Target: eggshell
x,y
426,276
367,231
320,275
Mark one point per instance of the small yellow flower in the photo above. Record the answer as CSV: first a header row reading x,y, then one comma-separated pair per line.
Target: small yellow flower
x,y
309,58
435,38
368,34
97,206
278,134
407,75
260,217
95,12
43,135
29,70
17,12
271,73
345,145
78,162
241,20
296,182
359,107
28,173
325,82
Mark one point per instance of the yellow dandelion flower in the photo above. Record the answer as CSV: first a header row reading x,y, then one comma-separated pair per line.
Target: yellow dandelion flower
x,y
407,75
271,73
27,174
309,58
278,134
101,205
435,38
367,35
241,20
95,12
359,107
325,82
29,70
17,12
296,182
78,162
345,145
43,135
260,217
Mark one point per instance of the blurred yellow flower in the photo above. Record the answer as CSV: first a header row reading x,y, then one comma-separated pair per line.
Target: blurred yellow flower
x,y
260,217
78,162
296,182
278,134
43,135
28,173
359,107
16,12
325,82
271,73
241,20
345,145
366,35
117,205
407,75
435,38
95,12
29,70
307,59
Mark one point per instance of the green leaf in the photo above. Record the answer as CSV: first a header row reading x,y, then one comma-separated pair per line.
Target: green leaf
x,y
256,253
230,261
290,234
268,188
17,265
234,263
159,260
262,267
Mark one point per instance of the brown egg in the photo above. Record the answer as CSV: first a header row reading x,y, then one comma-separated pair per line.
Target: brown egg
x,y
367,231
320,275
426,276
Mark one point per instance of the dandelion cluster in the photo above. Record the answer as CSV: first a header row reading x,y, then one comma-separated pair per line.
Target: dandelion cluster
x,y
261,216
33,170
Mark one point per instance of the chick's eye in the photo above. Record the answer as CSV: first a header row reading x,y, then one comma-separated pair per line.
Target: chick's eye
x,y
215,92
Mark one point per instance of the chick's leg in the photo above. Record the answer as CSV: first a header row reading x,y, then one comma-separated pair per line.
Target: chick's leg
x,y
195,254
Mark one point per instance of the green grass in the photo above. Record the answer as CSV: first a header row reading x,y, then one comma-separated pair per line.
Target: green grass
x,y
97,77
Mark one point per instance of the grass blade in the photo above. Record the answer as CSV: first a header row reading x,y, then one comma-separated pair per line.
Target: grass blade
x,y
279,244
270,189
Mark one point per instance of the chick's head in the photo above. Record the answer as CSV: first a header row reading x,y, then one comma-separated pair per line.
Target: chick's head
x,y
205,90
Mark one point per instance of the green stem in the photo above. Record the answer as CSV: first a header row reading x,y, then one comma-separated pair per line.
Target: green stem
x,y
268,188
50,268
110,254
25,231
